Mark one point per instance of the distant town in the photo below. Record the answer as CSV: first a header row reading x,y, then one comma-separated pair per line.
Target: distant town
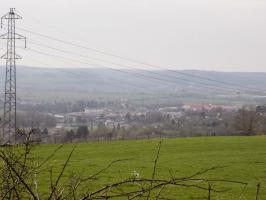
x,y
116,120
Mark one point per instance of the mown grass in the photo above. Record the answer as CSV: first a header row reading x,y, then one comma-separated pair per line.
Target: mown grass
x,y
244,159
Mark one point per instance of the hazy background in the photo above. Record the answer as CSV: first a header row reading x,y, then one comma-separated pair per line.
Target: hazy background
x,y
223,35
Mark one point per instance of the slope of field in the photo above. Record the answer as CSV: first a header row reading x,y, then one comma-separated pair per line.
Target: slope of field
x,y
244,159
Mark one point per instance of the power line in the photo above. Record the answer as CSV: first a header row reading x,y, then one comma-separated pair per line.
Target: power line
x,y
74,61
142,88
73,44
122,65
86,78
75,74
122,71
140,62
133,61
63,59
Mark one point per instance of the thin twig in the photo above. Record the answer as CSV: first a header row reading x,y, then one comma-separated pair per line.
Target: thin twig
x,y
61,173
258,191
154,167
19,177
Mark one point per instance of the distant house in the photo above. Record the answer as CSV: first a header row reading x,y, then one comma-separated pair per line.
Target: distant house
x,y
59,118
197,107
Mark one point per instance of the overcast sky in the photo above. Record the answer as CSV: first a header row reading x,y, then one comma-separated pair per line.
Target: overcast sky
x,y
222,35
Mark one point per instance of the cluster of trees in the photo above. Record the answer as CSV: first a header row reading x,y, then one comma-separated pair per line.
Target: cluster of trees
x,y
33,119
82,133
250,121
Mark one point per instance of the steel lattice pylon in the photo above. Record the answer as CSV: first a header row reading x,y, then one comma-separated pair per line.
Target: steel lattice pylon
x,y
9,118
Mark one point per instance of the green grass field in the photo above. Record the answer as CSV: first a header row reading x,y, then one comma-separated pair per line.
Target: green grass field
x,y
244,158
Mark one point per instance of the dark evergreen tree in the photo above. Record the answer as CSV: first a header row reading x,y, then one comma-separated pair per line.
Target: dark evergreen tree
x,y
82,132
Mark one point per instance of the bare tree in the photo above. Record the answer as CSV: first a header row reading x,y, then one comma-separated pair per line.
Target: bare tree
x,y
247,121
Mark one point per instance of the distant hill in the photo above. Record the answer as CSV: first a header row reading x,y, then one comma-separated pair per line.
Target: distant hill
x,y
46,84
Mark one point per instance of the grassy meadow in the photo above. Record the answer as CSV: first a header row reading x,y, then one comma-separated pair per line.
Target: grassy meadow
x,y
243,158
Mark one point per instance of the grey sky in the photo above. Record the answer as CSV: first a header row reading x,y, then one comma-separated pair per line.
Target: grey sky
x,y
224,35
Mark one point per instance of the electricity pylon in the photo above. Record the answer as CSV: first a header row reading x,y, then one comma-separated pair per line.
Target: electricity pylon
x,y
10,111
